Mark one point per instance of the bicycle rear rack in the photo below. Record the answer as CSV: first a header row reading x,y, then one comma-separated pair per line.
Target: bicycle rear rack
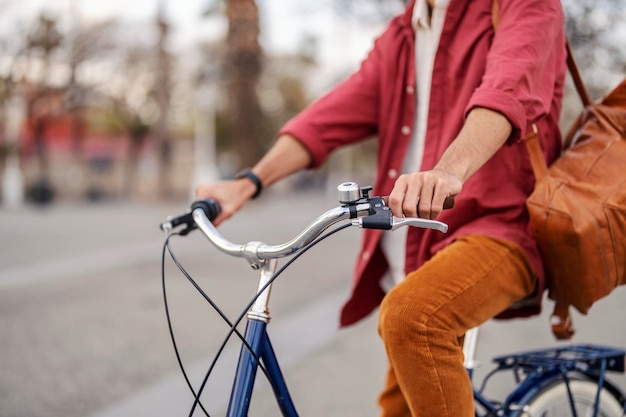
x,y
585,358
534,368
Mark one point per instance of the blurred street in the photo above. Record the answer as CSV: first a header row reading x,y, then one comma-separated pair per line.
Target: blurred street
x,y
84,333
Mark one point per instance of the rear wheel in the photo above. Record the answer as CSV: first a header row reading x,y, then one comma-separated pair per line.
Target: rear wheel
x,y
553,401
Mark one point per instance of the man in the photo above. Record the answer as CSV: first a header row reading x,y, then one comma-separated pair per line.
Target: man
x,y
450,99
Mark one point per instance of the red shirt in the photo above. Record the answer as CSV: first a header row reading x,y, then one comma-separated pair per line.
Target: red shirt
x,y
519,71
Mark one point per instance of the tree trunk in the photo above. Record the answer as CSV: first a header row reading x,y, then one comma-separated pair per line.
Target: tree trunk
x,y
243,69
163,88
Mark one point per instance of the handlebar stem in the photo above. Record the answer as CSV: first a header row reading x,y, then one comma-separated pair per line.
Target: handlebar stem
x,y
260,309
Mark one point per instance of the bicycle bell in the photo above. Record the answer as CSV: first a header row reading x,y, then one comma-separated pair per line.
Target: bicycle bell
x,y
349,192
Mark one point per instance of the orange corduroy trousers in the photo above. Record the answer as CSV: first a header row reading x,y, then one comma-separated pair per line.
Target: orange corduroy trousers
x,y
424,318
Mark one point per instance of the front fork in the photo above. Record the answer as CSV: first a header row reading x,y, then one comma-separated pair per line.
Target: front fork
x,y
261,349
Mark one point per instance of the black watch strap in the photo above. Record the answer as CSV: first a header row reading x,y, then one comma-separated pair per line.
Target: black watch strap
x,y
247,173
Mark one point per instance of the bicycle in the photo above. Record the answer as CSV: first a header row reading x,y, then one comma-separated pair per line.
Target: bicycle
x,y
563,381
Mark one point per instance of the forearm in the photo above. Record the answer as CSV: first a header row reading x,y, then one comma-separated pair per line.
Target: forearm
x,y
286,157
484,132
423,193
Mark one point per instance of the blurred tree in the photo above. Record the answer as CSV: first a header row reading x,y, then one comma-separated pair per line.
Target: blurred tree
x,y
243,66
12,50
162,92
133,101
597,35
85,43
279,91
44,39
593,28
131,83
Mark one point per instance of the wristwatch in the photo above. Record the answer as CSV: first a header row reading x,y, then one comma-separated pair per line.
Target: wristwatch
x,y
247,173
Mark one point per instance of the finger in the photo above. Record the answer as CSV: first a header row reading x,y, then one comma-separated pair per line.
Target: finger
x,y
412,196
438,203
424,206
221,217
396,197
199,191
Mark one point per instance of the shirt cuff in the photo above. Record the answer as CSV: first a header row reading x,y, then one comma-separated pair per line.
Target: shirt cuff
x,y
503,103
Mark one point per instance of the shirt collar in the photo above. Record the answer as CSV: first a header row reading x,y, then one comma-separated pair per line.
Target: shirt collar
x,y
421,17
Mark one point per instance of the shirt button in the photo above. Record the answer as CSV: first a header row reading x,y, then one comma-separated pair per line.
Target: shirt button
x,y
392,173
365,255
405,130
410,89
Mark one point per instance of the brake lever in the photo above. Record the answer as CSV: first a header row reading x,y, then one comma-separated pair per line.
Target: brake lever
x,y
397,222
393,223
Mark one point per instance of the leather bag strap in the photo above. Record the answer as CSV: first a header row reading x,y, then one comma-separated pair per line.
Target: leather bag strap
x,y
578,80
537,160
561,323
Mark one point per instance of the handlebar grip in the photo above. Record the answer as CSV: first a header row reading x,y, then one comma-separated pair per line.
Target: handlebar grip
x,y
448,203
210,207
175,221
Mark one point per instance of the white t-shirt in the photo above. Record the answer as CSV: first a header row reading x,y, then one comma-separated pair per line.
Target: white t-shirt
x,y
428,27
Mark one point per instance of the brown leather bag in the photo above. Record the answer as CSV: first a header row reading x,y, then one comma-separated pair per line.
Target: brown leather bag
x,y
578,207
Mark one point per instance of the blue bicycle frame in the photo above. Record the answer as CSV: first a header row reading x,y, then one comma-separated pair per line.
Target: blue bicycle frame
x,y
259,341
260,349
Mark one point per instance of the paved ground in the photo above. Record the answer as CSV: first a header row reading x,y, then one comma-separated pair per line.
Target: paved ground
x,y
83,329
